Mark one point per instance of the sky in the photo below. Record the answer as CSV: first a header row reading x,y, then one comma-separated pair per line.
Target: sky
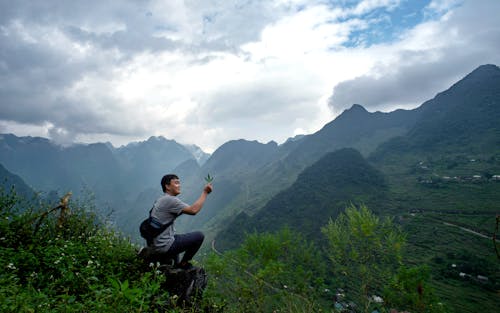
x,y
206,72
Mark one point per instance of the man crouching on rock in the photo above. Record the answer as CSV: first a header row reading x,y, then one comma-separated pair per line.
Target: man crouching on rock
x,y
168,245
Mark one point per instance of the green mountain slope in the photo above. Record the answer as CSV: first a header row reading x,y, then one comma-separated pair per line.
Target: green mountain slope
x,y
441,182
319,193
255,172
9,180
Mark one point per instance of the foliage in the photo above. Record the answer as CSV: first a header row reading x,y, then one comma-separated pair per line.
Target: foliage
x,y
79,265
364,251
268,272
410,290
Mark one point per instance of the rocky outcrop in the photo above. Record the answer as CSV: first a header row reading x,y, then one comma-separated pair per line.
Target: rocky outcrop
x,y
185,285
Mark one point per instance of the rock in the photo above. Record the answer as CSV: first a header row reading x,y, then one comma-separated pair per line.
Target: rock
x,y
185,285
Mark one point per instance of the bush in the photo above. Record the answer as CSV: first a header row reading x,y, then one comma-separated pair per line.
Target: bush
x,y
269,272
75,264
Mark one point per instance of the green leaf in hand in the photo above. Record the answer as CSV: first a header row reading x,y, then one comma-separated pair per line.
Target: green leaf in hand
x,y
209,178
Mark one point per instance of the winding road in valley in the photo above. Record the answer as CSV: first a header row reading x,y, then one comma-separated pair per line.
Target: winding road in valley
x,y
468,230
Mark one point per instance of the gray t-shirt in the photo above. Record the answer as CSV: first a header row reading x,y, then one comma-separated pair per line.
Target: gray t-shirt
x,y
165,209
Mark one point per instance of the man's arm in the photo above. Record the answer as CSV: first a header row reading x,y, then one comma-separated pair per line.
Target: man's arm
x,y
198,204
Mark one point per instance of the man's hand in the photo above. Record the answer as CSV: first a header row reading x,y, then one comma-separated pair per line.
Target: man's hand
x,y
208,188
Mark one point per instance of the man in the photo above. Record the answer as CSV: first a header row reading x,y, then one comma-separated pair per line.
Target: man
x,y
167,208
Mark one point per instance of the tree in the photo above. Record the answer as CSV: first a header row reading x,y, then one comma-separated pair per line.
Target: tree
x,y
410,290
365,251
268,272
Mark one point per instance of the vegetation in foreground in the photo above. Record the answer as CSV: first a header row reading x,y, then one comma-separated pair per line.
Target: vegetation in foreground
x,y
74,262
71,264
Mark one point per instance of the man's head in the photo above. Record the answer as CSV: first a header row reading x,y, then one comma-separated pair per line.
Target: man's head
x,y
170,183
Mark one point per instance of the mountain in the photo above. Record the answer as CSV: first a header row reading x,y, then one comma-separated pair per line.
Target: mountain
x,y
118,178
200,155
355,128
37,160
463,118
251,173
147,161
240,156
231,164
436,175
448,157
9,180
468,112
320,192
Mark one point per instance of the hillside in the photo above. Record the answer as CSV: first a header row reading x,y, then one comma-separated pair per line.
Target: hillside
x,y
320,193
441,181
439,184
254,172
9,180
447,160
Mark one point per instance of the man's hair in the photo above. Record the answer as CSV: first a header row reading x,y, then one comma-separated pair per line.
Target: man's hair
x,y
165,180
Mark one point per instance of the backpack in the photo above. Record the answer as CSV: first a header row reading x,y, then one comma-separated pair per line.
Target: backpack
x,y
151,227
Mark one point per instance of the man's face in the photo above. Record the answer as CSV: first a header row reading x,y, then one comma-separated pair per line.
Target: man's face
x,y
174,188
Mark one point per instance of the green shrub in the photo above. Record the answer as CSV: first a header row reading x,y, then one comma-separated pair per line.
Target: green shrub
x,y
79,264
268,272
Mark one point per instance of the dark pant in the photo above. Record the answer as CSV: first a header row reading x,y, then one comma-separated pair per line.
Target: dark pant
x,y
188,243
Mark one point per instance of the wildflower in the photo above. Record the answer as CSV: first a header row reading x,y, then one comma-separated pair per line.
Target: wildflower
x,y
151,264
11,266
90,262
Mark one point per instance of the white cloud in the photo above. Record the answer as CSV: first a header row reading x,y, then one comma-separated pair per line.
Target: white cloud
x,y
207,72
426,60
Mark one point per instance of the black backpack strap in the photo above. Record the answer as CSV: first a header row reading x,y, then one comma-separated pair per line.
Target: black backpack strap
x,y
161,227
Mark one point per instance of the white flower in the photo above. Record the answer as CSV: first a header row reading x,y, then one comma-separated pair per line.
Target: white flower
x,y
11,266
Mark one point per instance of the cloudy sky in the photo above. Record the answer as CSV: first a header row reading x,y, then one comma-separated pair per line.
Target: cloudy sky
x,y
205,72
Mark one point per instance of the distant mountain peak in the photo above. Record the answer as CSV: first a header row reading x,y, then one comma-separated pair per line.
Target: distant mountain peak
x,y
483,72
158,139
355,111
357,108
487,68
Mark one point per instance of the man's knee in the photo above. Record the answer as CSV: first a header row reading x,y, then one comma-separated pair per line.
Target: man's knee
x,y
198,236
